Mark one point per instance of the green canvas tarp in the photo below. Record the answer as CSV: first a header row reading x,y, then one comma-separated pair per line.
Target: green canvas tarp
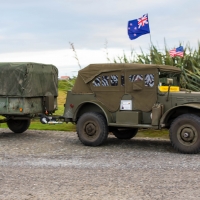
x,y
28,79
93,70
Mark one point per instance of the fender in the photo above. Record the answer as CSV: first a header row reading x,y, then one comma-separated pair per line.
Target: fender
x,y
168,113
107,114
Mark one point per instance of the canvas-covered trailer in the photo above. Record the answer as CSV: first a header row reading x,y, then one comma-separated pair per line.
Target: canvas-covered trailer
x,y
26,91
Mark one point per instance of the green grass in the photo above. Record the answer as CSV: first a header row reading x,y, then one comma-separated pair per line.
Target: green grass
x,y
164,134
65,85
37,125
60,110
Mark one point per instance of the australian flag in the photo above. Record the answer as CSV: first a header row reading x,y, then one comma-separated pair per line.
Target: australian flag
x,y
138,27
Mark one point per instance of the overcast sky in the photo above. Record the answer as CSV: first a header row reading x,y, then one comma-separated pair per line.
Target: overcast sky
x,y
40,30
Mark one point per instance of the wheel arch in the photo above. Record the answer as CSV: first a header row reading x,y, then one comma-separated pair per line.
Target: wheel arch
x,y
92,107
174,112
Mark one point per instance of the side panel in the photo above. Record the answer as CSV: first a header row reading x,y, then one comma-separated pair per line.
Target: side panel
x,y
20,106
33,105
73,101
128,117
3,105
15,105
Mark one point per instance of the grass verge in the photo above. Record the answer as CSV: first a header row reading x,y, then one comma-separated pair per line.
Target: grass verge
x,y
69,127
37,125
164,133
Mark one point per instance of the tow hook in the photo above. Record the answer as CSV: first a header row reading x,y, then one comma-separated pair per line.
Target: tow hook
x,y
50,120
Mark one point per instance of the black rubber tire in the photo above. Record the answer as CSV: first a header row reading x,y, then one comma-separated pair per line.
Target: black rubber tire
x,y
125,133
185,133
92,129
18,126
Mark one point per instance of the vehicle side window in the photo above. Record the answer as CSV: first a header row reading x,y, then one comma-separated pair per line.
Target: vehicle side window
x,y
97,82
105,81
122,80
134,78
149,80
114,80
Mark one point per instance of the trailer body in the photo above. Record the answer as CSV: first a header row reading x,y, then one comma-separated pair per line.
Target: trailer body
x,y
27,90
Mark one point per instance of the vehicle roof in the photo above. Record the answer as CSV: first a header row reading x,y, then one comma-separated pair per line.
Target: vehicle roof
x,y
21,64
93,70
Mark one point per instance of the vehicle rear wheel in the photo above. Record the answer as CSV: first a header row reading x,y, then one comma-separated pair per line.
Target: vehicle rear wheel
x,y
92,129
125,133
185,133
18,126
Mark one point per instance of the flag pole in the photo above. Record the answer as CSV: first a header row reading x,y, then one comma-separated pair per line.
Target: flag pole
x,y
151,44
149,30
150,38
151,49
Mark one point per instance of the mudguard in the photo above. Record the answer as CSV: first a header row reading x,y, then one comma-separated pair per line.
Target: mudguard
x,y
107,114
168,113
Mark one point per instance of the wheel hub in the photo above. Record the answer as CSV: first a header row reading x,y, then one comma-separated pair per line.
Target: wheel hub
x,y
90,129
187,134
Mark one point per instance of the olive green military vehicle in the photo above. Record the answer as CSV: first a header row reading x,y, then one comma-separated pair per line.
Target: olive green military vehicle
x,y
122,98
26,91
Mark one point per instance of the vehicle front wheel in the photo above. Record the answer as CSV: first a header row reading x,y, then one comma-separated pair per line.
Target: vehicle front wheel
x,y
18,126
185,133
125,133
92,129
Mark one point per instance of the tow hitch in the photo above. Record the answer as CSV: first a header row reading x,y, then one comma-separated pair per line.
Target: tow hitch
x,y
51,120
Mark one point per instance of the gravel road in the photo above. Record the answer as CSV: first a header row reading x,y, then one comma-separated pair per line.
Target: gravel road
x,y
55,165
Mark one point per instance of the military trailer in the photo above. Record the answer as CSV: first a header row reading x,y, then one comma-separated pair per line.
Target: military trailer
x,y
27,90
122,98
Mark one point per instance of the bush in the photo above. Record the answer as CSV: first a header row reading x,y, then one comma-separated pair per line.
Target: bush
x,y
189,64
65,85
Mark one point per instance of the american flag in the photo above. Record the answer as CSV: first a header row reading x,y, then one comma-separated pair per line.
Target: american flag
x,y
176,52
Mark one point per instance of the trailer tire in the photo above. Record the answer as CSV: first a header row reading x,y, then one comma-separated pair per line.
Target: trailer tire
x,y
185,133
92,129
18,126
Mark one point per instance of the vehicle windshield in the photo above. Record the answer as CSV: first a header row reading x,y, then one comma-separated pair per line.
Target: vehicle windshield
x,y
169,78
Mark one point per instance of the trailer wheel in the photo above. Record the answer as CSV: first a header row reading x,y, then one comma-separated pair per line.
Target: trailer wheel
x,y
18,126
185,133
92,129
125,133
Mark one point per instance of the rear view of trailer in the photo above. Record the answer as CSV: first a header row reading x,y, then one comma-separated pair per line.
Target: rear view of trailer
x,y
26,90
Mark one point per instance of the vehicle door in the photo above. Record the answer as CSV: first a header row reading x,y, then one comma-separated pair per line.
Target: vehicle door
x,y
142,86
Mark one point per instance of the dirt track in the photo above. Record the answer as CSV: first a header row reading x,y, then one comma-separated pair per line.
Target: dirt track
x,y
55,165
